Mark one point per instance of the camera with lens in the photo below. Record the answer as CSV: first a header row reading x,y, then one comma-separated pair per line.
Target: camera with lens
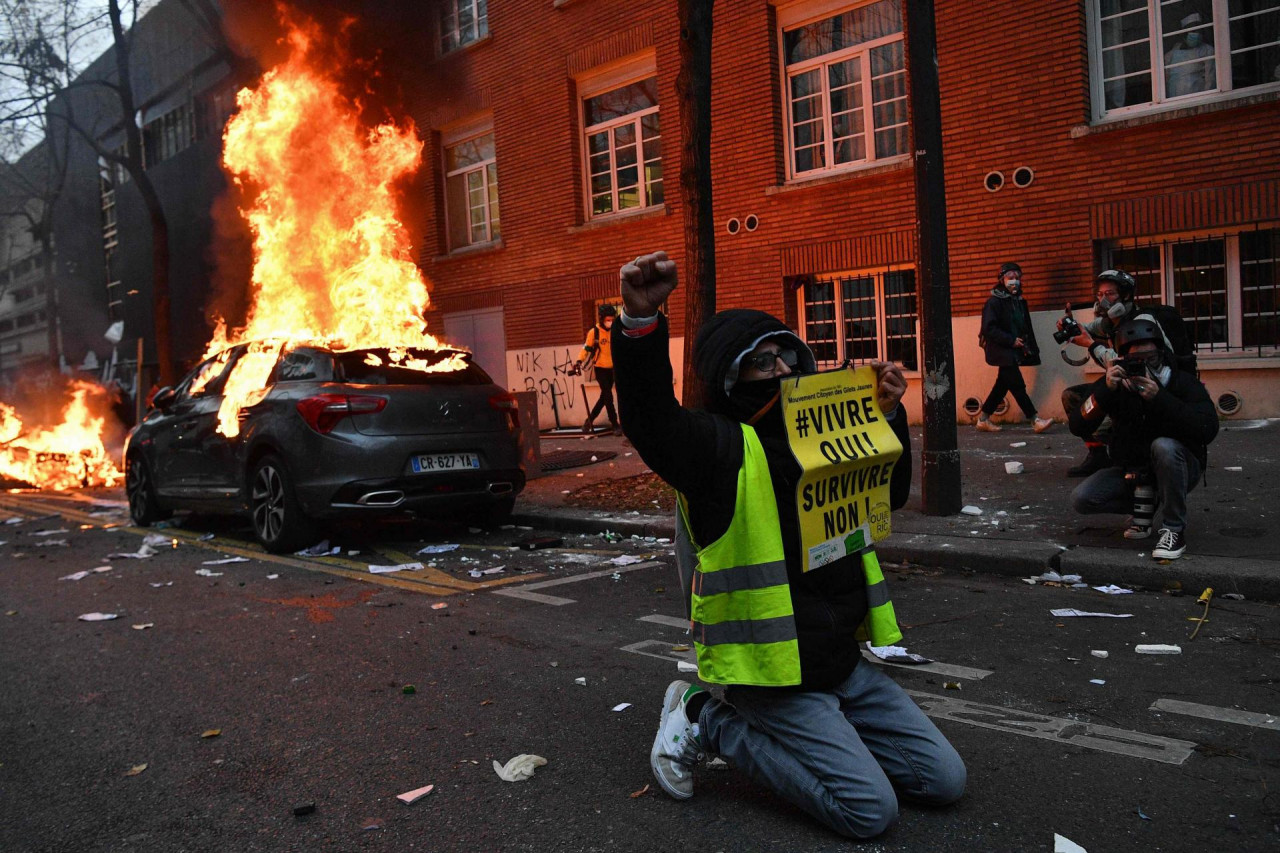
x,y
1133,365
1070,329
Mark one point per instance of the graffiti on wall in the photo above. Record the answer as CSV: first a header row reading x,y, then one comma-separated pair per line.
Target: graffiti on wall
x,y
546,371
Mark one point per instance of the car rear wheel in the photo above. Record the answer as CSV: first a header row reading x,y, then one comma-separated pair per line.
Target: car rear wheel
x,y
278,519
140,489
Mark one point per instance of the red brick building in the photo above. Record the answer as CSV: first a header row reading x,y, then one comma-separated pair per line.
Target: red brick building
x,y
1143,134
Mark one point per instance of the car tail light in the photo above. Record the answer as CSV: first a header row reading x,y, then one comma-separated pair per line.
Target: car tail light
x,y
323,411
509,406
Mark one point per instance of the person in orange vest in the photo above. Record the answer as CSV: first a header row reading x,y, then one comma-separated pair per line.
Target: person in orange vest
x,y
597,353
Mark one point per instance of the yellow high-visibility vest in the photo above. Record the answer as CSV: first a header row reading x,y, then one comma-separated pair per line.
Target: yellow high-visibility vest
x,y
744,629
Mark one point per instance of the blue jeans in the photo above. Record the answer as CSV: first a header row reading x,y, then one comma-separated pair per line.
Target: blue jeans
x,y
838,754
1176,471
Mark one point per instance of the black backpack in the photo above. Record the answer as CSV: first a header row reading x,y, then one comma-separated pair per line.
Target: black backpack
x,y
1175,329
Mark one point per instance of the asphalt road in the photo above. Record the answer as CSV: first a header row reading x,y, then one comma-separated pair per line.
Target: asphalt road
x,y
303,675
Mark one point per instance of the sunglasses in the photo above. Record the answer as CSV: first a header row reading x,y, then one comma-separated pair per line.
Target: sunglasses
x,y
767,362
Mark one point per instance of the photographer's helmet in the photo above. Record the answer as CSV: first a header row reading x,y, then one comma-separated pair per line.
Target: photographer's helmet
x,y
1007,267
1137,331
1124,283
606,310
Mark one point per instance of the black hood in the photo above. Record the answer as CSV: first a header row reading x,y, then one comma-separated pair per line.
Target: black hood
x,y
729,335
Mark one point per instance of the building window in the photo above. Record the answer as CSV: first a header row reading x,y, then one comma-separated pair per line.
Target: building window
x,y
471,191
169,134
623,147
1149,53
845,81
861,316
463,22
1225,286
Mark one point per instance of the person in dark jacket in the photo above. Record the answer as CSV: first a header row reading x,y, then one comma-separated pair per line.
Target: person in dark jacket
x,y
1009,340
1162,423
846,739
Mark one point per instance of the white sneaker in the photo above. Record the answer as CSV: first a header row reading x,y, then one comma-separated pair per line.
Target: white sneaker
x,y
676,747
1042,424
985,425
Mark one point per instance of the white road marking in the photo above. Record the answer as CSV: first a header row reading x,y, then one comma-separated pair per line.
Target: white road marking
x,y
1089,735
1211,712
953,670
660,649
525,592
669,621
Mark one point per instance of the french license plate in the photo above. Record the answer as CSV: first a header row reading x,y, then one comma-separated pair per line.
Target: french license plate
x,y
433,463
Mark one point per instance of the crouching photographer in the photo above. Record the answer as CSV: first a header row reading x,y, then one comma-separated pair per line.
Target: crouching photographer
x,y
1162,423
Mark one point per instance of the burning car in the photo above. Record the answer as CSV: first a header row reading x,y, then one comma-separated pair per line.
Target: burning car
x,y
329,434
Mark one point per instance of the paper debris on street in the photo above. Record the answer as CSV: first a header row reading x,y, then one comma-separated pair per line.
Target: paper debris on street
x,y
1157,649
686,666
439,549
135,770
1013,468
897,654
208,573
51,532
622,706
320,549
100,569
520,768
141,554
1066,845
166,583
971,510
1112,589
1099,653
411,797
581,681
206,537
224,561
97,617
1097,681
626,560
53,543
439,605
1071,611
157,540
142,626
402,567
75,576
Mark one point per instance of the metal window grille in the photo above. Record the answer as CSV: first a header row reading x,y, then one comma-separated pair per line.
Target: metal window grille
x,y
858,317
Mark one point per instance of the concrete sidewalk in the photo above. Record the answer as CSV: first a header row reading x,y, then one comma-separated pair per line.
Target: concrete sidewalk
x,y
1026,526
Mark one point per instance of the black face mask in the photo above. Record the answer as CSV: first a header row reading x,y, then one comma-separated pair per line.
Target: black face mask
x,y
747,399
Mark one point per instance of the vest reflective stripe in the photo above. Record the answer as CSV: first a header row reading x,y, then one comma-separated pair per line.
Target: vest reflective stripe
x,y
744,629
739,578
881,625
774,630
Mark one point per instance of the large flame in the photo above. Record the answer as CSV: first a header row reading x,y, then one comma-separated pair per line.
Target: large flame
x,y
65,456
332,262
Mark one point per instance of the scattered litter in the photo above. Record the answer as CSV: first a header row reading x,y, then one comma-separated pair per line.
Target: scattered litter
x,y
224,561
478,573
439,549
208,733
1142,814
1232,596
371,823
1099,653
1112,589
205,537
156,540
1028,506
97,617
141,554
14,520
75,576
897,654
686,666
1157,649
717,764
208,573
142,626
1013,468
53,543
626,560
519,768
565,492
100,569
950,685
1233,468
1097,681
640,793
304,809
166,583
1031,581
581,681
411,797
971,510
1070,611
320,549
1066,845
402,567
439,605
615,576
272,577
51,532
622,706
1018,444
135,770
595,458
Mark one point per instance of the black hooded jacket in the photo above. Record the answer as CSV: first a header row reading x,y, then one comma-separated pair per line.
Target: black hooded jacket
x,y
700,453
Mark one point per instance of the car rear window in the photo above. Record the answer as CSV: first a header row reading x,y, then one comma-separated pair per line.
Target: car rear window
x,y
375,367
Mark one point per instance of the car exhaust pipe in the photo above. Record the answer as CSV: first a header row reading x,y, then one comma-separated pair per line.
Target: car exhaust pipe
x,y
381,499
500,488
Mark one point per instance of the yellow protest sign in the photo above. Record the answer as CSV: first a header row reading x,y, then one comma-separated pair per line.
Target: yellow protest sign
x,y
847,451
